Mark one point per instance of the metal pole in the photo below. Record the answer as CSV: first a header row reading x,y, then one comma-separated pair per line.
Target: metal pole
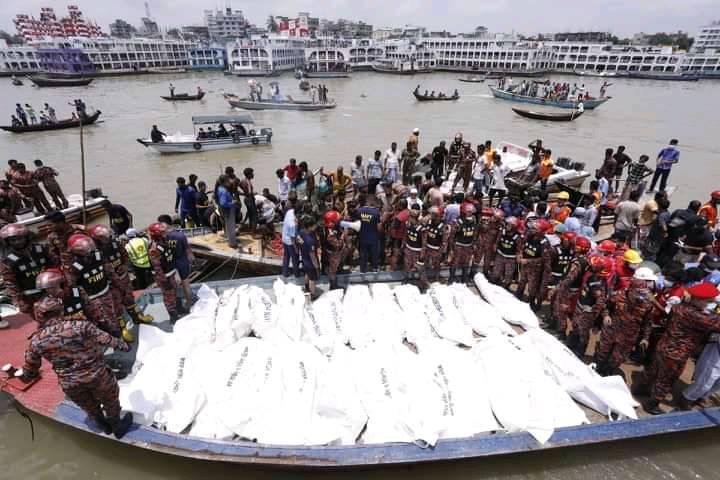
x,y
82,169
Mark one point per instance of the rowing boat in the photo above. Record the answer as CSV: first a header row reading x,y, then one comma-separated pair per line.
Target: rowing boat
x,y
428,98
472,79
301,105
339,74
59,125
181,97
589,104
397,71
552,117
44,81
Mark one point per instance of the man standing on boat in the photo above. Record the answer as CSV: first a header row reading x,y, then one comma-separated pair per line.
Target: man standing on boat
x,y
25,181
162,259
46,175
467,159
57,240
591,304
667,157
535,262
455,152
172,90
408,162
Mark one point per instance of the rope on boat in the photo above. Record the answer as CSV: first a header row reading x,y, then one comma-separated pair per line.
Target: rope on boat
x,y
27,417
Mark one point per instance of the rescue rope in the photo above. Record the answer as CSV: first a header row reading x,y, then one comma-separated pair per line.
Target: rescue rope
x,y
27,417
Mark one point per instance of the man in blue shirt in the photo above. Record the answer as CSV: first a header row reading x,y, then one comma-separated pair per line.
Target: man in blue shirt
x,y
183,256
186,199
369,236
308,247
228,208
289,235
667,157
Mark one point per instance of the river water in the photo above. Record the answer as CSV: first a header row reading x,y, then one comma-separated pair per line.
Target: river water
x,y
373,110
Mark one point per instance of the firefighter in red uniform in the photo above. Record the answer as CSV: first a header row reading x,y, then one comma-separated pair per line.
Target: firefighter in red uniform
x,y
591,305
52,283
509,245
335,240
21,265
163,264
710,210
58,237
25,182
628,307
412,244
480,252
435,240
687,329
75,349
116,256
561,255
535,262
625,267
567,293
463,235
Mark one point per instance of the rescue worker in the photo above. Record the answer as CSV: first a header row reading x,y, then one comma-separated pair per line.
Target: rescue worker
x,y
90,271
46,175
483,230
620,330
567,292
486,243
412,243
455,152
115,255
686,331
467,159
137,251
24,181
625,269
435,240
162,259
463,235
561,211
75,350
509,245
333,245
561,255
58,237
591,305
21,265
535,261
52,283
710,210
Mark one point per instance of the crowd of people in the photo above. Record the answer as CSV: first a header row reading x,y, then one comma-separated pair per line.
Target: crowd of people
x,y
26,115
20,191
554,91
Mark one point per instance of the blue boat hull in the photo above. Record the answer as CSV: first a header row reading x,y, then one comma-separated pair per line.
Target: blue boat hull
x,y
588,104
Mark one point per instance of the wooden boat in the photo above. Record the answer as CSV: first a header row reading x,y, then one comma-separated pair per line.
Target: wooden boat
x,y
428,98
588,104
397,71
673,77
17,82
45,81
341,74
551,117
183,97
472,79
253,256
494,76
304,85
45,398
59,125
167,70
301,105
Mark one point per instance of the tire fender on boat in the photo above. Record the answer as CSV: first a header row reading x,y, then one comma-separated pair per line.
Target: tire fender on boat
x,y
255,140
197,145
251,132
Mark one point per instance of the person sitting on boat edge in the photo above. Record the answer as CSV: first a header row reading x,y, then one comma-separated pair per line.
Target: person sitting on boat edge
x,y
156,136
15,122
222,131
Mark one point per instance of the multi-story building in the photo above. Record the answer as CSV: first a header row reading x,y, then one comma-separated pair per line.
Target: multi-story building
x,y
121,29
606,57
594,37
18,59
708,38
74,25
265,55
226,25
197,33
345,29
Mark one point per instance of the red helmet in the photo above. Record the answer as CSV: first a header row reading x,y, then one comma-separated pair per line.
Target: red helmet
x,y
467,209
100,232
487,212
331,218
602,264
570,237
52,277
157,230
715,195
47,305
80,245
582,245
542,225
14,230
511,221
607,246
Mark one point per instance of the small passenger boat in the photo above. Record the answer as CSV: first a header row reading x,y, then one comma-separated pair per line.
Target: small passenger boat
x,y
237,136
549,116
435,98
472,79
183,97
45,81
400,71
588,104
59,125
17,82
289,104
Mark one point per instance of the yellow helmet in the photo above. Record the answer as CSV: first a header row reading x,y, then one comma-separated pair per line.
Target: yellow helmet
x,y
632,256
563,196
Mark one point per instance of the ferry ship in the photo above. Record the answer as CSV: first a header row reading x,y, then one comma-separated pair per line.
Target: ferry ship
x,y
265,56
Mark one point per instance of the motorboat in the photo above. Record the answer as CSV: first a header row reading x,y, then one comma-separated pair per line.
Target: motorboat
x,y
237,136
286,103
17,82
59,125
472,79
588,104
549,116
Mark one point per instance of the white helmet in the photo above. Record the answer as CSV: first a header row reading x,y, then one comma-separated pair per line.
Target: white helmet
x,y
644,273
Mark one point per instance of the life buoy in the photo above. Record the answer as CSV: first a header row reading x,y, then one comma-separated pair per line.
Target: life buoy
x,y
197,145
255,140
251,132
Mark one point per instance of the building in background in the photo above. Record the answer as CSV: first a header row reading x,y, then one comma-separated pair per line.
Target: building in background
x,y
122,29
594,37
49,25
226,25
342,28
149,28
301,26
196,33
707,40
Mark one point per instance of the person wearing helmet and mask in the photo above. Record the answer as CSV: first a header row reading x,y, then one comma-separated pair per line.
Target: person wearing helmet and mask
x,y
709,211
333,245
20,266
591,305
94,274
687,328
162,259
485,239
435,243
52,283
567,293
535,262
116,256
463,234
561,211
455,152
625,268
412,245
561,256
57,239
507,249
620,331
75,349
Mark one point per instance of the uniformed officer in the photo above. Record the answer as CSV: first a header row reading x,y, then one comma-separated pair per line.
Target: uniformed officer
x,y
333,245
455,152
509,245
561,255
52,283
57,239
115,255
75,350
567,293
435,239
479,244
591,305
21,265
163,264
463,237
535,262
412,243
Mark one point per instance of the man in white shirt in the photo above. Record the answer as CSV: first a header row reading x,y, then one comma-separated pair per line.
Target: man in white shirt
x,y
413,199
604,189
357,174
391,163
284,185
499,172
289,235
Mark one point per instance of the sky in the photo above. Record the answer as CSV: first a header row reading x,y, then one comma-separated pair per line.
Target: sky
x,y
621,17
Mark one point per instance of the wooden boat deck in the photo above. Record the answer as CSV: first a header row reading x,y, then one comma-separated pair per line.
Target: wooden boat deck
x,y
253,255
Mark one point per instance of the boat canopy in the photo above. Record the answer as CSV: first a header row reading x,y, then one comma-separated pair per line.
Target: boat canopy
x,y
230,119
